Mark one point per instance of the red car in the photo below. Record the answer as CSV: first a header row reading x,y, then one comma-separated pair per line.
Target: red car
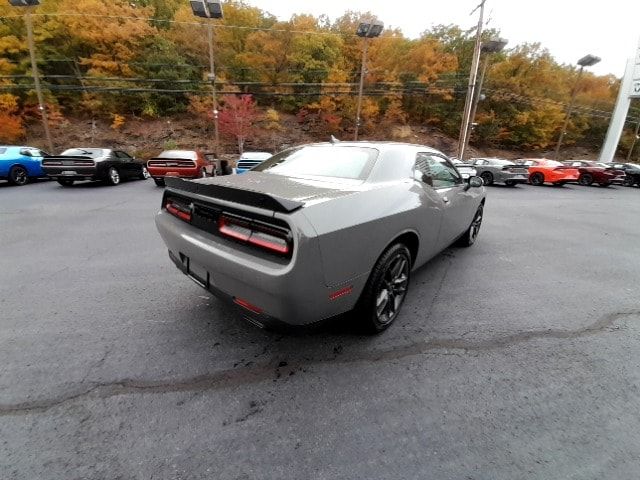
x,y
543,171
592,172
179,163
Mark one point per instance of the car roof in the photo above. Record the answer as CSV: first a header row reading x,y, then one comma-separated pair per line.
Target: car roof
x,y
380,145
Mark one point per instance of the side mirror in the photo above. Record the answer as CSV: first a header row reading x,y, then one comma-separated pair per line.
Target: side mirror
x,y
475,182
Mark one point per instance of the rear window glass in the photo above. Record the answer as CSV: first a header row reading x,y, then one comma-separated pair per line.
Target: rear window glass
x,y
179,154
322,161
83,152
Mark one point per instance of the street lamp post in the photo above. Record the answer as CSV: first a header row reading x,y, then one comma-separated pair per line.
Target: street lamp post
x,y
366,30
210,9
34,66
495,45
586,61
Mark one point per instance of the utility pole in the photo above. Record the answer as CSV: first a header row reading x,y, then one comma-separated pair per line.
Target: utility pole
x,y
36,79
476,101
214,95
361,88
473,76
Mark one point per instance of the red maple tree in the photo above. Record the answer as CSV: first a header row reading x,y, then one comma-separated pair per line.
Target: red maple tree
x,y
237,118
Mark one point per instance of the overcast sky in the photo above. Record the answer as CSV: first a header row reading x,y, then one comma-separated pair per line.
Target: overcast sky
x,y
570,29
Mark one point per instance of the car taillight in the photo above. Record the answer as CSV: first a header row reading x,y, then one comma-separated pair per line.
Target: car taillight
x,y
178,210
246,231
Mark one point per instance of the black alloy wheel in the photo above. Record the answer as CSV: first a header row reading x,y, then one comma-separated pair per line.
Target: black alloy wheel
x,y
18,176
470,236
585,179
536,179
487,178
386,290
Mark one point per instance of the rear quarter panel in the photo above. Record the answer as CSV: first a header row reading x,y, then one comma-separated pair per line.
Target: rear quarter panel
x,y
354,230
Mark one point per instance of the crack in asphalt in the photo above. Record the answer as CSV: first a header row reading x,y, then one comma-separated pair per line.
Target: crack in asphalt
x,y
260,372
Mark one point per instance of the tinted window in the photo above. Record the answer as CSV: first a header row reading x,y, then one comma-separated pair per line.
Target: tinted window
x,y
2,150
83,152
436,171
123,155
322,161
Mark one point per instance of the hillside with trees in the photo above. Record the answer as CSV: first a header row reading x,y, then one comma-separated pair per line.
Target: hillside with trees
x,y
115,66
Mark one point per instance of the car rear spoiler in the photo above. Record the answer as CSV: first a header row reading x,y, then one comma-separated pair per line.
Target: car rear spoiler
x,y
236,195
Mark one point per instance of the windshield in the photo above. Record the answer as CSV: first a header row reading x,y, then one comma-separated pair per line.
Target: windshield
x,y
83,152
322,161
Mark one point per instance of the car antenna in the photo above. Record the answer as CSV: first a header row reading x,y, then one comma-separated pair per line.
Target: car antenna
x,y
334,139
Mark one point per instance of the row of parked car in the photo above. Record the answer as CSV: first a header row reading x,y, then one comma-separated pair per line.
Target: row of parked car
x,y
20,164
540,171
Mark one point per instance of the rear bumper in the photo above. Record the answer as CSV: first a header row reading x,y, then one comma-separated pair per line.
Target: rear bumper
x,y
72,172
160,172
513,177
292,293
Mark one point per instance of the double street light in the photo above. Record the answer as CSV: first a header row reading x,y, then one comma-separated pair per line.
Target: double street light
x,y
210,9
29,4
366,29
586,61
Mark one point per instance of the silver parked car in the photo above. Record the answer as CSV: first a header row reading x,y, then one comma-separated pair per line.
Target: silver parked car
x,y
465,170
321,229
497,170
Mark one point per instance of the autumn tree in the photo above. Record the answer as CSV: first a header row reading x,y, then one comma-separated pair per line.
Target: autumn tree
x,y
237,118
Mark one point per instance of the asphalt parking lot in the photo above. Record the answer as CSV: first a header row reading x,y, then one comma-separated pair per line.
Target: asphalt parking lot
x,y
517,358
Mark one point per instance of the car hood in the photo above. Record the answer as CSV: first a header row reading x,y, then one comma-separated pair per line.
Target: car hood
x,y
306,190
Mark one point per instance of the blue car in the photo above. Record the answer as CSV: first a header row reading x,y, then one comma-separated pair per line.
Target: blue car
x,y
248,160
19,164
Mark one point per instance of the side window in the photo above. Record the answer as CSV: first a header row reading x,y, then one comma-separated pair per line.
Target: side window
x,y
436,171
422,170
444,174
122,156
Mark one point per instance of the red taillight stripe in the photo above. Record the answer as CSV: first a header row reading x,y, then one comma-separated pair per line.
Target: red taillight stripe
x,y
186,216
247,305
341,293
261,242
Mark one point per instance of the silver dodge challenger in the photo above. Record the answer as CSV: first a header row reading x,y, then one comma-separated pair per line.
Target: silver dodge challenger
x,y
321,229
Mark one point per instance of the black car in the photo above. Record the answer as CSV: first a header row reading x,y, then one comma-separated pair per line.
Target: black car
x,y
110,166
632,171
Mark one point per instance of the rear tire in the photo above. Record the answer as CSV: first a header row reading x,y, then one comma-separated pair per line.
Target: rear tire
x,y
536,179
469,237
510,183
385,291
144,173
113,176
18,176
65,182
487,178
159,182
585,179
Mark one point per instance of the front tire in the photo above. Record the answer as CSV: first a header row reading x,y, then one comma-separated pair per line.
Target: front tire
x,y
113,176
585,179
386,290
65,182
487,178
536,179
469,237
18,176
